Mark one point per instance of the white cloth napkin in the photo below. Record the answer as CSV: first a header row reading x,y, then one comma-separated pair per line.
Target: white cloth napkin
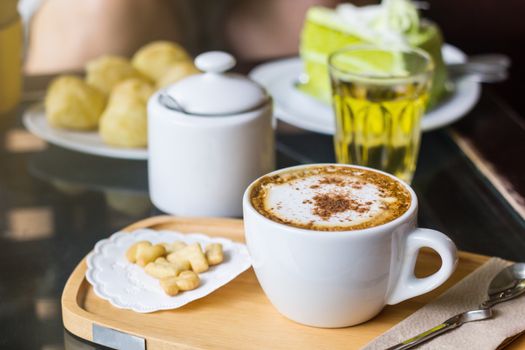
x,y
508,318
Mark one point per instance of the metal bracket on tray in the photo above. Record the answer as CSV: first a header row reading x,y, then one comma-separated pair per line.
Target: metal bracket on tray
x,y
116,339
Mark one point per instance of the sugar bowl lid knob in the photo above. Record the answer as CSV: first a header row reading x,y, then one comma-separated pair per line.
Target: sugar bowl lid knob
x,y
215,92
215,62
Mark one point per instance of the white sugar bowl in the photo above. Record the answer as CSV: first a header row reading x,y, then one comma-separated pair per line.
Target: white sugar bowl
x,y
209,136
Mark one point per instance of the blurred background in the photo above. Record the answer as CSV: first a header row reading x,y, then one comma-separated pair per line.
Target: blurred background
x,y
64,34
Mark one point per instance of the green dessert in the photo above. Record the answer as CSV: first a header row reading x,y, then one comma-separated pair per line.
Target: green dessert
x,y
394,23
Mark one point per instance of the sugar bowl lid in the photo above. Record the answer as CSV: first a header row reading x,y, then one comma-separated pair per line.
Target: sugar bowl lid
x,y
215,92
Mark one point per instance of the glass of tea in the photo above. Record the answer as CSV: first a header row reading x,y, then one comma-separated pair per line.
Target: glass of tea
x,y
11,42
379,97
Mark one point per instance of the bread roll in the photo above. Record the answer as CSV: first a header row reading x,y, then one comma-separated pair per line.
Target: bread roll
x,y
107,71
124,122
73,104
156,58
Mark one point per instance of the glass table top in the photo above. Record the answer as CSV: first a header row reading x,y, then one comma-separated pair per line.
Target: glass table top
x,y
55,204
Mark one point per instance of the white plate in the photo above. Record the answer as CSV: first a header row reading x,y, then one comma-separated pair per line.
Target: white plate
x,y
299,109
82,141
127,286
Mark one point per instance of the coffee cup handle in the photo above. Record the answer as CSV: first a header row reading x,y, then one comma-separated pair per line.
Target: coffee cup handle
x,y
408,285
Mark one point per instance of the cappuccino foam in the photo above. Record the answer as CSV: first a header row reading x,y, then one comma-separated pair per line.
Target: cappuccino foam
x,y
330,198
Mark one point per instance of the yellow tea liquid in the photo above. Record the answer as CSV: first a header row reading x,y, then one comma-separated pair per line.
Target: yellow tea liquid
x,y
379,126
11,41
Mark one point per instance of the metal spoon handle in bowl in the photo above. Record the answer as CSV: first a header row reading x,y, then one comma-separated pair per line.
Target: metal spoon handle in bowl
x,y
451,323
494,59
489,68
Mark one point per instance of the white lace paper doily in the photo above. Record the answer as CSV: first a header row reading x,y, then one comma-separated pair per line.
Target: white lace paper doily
x,y
126,285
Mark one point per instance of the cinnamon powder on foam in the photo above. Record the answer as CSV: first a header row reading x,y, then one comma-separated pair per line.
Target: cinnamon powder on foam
x,y
325,205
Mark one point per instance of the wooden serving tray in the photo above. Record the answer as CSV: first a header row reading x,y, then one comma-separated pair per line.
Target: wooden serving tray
x,y
236,316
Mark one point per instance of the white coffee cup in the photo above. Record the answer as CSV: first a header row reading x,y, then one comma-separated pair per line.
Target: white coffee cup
x,y
342,278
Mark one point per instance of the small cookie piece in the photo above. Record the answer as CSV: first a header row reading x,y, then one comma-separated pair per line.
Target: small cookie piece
x,y
181,265
169,285
174,246
162,268
131,253
214,253
184,265
178,259
187,280
147,254
194,255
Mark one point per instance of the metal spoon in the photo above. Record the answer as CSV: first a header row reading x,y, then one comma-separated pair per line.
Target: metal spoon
x,y
509,283
490,68
169,102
